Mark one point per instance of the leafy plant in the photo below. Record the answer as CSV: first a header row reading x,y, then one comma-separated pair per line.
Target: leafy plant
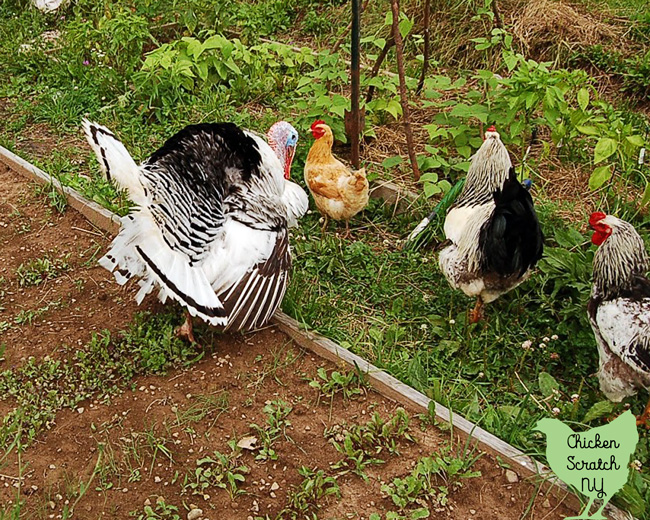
x,y
350,384
39,270
303,499
220,470
277,413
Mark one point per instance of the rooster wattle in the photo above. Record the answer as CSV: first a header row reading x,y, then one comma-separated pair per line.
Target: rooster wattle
x,y
619,308
209,229
492,229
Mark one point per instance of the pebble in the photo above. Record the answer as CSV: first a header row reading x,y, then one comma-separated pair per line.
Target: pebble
x,y
511,476
275,486
546,504
472,511
194,514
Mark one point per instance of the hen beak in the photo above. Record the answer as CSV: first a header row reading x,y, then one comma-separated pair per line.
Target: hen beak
x,y
291,151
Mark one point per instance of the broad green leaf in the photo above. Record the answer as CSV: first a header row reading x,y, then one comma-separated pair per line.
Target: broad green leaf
x,y
646,195
431,189
405,27
588,130
600,176
583,98
633,502
636,140
422,512
605,147
598,410
390,162
547,384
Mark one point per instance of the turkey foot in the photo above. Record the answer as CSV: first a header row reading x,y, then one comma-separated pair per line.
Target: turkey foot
x,y
185,330
644,418
476,314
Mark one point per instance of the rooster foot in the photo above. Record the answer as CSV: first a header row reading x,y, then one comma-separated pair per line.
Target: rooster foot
x,y
476,314
644,418
185,330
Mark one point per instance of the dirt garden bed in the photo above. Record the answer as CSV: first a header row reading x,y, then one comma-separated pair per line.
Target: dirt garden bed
x,y
117,456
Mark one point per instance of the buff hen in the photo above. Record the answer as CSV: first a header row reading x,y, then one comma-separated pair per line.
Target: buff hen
x,y
338,192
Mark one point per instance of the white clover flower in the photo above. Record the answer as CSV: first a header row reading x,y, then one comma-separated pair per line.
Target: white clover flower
x,y
542,345
554,337
321,220
556,411
546,339
636,464
424,326
452,322
574,397
424,260
526,345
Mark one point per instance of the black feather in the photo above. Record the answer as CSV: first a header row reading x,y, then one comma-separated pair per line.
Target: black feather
x,y
511,240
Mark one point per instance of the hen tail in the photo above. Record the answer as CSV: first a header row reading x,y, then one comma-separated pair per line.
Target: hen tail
x,y
114,161
512,239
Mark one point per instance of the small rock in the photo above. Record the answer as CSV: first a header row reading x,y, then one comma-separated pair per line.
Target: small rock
x,y
275,486
511,476
147,502
472,511
194,514
546,504
157,480
307,428
80,409
273,495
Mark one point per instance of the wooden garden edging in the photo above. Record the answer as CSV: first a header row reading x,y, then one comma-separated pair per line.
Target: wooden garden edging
x,y
384,383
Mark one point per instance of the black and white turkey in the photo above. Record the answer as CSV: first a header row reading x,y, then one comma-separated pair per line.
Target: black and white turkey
x,y
619,309
210,224
493,234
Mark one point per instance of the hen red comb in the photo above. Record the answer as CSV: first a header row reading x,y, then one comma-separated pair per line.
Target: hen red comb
x,y
492,129
316,123
596,217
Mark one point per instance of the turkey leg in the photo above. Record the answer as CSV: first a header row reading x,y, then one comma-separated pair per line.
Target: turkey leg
x,y
185,330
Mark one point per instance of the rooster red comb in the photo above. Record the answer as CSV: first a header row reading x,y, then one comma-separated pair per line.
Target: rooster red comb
x,y
596,217
316,123
492,128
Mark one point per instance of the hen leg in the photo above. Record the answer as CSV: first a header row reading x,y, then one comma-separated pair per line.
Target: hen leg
x,y
322,230
347,233
185,330
476,314
644,418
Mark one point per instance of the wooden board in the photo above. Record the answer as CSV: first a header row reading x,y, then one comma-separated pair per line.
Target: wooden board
x,y
384,383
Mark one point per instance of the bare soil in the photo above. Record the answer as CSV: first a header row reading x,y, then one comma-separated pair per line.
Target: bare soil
x,y
145,443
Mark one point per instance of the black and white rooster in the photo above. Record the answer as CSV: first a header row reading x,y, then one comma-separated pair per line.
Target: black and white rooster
x,y
619,309
492,229
209,229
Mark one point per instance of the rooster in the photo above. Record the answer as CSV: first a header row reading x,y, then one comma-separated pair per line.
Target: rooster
x,y
493,235
338,192
619,309
209,229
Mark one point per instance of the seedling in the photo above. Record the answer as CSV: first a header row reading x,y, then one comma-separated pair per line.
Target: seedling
x,y
350,384
220,470
432,479
303,500
277,413
162,511
40,270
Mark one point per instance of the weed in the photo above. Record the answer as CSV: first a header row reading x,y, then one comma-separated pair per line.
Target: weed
x,y
377,434
422,482
28,316
222,471
203,406
161,511
350,384
277,413
55,198
303,499
39,270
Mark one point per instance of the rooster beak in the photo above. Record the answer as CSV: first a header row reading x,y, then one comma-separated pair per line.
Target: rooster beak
x,y
291,151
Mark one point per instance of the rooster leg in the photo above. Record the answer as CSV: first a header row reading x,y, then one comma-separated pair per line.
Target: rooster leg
x,y
476,314
644,418
185,330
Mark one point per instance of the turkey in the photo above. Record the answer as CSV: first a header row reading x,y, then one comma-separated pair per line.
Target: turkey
x,y
619,309
209,227
493,235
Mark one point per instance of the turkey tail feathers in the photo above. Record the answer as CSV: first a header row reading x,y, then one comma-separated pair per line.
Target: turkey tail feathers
x,y
114,160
